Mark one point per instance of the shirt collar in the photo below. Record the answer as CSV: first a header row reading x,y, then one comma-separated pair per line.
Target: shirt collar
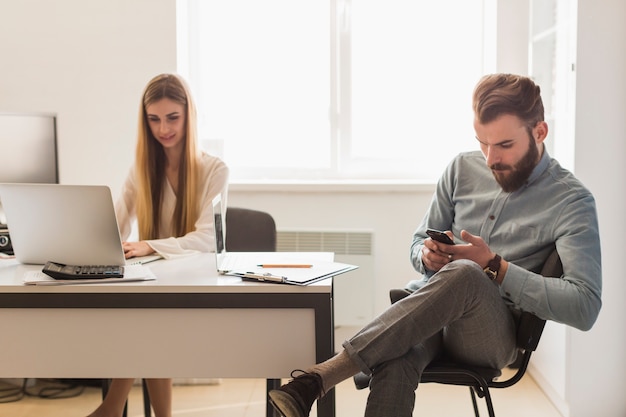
x,y
540,168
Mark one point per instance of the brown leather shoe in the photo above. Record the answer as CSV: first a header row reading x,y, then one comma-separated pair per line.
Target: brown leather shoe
x,y
296,398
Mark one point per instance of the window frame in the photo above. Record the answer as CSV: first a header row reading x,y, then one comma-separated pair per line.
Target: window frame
x,y
343,166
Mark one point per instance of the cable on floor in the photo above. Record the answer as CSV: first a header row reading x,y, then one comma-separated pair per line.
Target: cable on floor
x,y
53,389
12,393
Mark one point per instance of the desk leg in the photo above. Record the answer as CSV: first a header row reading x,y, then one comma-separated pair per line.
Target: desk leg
x,y
269,409
326,405
325,349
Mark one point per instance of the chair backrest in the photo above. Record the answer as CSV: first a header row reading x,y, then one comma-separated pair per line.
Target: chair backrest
x,y
249,230
553,266
530,327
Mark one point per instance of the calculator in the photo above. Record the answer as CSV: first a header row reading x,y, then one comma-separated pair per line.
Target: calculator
x,y
61,271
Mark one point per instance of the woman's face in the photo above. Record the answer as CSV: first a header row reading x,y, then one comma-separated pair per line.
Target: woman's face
x,y
166,119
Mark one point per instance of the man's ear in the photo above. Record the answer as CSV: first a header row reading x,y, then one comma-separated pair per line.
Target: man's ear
x,y
540,132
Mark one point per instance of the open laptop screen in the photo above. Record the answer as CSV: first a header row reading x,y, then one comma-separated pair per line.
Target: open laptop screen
x,y
69,224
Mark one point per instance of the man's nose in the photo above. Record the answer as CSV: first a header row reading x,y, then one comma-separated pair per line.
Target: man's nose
x,y
492,156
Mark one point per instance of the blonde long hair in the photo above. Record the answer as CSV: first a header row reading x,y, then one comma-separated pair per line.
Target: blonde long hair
x,y
150,162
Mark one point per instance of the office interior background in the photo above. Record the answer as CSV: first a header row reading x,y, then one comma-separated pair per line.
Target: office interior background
x,y
88,61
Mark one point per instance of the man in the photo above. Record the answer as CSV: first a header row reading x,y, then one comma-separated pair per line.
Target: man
x,y
507,207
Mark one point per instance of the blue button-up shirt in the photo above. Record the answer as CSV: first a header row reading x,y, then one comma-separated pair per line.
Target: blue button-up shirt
x,y
553,208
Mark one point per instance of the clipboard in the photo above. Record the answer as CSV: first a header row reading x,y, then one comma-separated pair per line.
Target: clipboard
x,y
295,276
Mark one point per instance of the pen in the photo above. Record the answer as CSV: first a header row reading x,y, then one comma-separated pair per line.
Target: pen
x,y
285,266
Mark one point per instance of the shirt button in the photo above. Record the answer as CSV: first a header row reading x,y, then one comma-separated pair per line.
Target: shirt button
x,y
508,294
492,217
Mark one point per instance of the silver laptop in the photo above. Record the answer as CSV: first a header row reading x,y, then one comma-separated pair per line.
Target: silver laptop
x,y
228,261
69,224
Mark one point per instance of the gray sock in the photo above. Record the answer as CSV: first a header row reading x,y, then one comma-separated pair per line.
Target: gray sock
x,y
335,370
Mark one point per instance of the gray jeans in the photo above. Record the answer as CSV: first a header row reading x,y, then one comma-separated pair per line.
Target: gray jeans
x,y
459,313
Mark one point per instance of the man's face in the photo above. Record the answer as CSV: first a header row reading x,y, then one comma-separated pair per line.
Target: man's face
x,y
510,151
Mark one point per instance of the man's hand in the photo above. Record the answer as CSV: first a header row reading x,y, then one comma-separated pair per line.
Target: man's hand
x,y
436,255
132,249
475,250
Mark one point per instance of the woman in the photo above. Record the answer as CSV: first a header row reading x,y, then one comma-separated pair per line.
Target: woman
x,y
169,192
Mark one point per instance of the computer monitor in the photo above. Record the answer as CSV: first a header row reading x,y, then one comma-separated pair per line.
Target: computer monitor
x,y
28,154
29,148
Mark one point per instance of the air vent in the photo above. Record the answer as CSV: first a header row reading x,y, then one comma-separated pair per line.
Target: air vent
x,y
341,243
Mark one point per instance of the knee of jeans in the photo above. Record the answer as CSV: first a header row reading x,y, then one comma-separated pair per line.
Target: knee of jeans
x,y
463,268
465,272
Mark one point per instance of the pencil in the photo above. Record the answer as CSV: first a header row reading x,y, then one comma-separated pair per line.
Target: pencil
x,y
285,265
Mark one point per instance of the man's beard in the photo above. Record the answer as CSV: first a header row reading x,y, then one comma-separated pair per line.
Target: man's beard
x,y
516,177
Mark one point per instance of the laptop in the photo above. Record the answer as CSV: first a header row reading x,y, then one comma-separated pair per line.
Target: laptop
x,y
228,261
312,266
69,224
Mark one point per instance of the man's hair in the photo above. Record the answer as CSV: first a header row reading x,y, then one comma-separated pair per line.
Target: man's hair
x,y
499,94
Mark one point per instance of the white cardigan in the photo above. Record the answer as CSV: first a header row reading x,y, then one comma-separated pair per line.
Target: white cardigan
x,y
213,180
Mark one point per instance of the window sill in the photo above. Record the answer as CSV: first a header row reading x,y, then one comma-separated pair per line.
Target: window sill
x,y
351,186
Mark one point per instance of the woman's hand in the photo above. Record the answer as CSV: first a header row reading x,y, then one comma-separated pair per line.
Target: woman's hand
x,y
133,249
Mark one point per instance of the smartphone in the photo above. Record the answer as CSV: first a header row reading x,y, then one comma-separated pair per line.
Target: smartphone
x,y
439,236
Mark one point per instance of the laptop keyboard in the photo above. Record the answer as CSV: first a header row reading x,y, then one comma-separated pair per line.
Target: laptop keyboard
x,y
61,271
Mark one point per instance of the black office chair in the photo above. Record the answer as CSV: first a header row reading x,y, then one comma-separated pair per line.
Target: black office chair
x,y
478,379
247,230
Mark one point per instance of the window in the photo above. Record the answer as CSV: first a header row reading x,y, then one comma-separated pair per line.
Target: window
x,y
307,89
552,57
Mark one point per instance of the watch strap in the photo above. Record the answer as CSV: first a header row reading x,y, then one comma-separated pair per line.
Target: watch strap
x,y
493,267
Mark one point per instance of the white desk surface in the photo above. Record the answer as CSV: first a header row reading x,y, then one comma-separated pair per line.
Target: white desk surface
x,y
195,273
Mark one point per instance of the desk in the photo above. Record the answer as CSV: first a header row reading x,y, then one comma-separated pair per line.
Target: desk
x,y
189,323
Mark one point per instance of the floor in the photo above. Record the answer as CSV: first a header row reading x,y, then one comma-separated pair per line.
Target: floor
x,y
246,398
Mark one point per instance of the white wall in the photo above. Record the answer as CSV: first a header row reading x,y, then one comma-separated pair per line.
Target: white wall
x,y
89,60
596,360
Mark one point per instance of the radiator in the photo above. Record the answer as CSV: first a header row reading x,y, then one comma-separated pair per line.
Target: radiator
x,y
353,291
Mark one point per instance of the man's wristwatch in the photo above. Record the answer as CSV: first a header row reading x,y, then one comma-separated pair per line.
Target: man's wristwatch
x,y
493,267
